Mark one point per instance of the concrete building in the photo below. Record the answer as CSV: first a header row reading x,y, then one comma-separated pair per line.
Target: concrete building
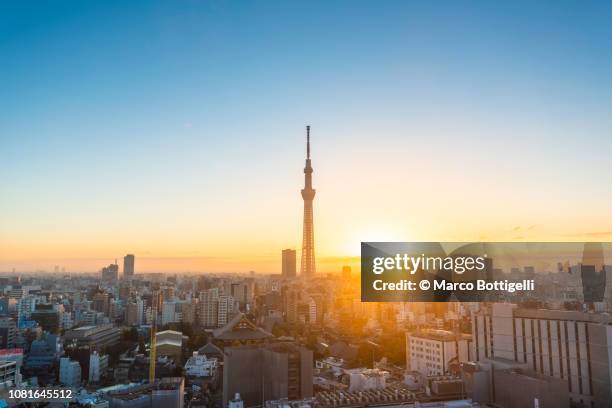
x,y
573,346
8,332
70,372
110,273
225,309
9,374
134,312
128,266
94,336
360,379
168,392
270,371
14,356
243,292
100,302
25,307
536,390
289,263
496,381
97,366
431,352
190,311
66,320
169,314
43,353
236,402
170,343
47,316
208,307
199,365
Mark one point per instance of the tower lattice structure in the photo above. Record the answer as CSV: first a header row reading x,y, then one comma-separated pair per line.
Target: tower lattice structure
x,y
308,194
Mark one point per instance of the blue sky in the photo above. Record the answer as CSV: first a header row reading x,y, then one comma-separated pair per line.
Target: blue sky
x,y
184,120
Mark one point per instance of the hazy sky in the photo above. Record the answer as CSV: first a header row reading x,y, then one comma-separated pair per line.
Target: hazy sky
x,y
175,130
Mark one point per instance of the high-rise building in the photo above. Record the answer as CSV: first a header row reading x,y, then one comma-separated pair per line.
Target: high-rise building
x,y
128,266
291,298
8,332
243,292
571,345
189,311
100,302
289,263
47,316
134,312
308,193
110,272
97,365
25,307
225,309
208,311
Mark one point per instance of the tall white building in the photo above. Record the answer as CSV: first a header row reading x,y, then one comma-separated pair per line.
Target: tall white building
x,y
225,309
97,364
571,345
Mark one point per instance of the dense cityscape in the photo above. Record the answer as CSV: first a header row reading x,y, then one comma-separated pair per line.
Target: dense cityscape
x,y
280,340
119,338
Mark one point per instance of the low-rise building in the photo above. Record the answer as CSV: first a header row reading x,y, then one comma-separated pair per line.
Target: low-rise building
x,y
170,343
432,352
200,366
94,336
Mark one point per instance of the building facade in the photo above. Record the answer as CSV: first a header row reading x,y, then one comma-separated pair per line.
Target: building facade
x,y
432,352
570,345
289,263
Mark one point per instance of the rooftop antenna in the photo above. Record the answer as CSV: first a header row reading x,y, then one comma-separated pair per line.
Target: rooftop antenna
x,y
308,142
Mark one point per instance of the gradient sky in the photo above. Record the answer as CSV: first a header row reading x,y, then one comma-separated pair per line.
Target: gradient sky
x,y
175,130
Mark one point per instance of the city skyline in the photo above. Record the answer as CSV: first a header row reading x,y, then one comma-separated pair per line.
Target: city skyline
x,y
174,131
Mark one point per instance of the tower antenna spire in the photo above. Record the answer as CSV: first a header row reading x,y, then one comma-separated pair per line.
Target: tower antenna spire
x,y
308,142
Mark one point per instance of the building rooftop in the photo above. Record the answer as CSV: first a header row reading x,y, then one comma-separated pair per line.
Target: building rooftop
x,y
176,333
440,335
604,318
210,349
240,328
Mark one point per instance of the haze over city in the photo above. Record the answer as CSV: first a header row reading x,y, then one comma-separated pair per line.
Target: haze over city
x,y
176,131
